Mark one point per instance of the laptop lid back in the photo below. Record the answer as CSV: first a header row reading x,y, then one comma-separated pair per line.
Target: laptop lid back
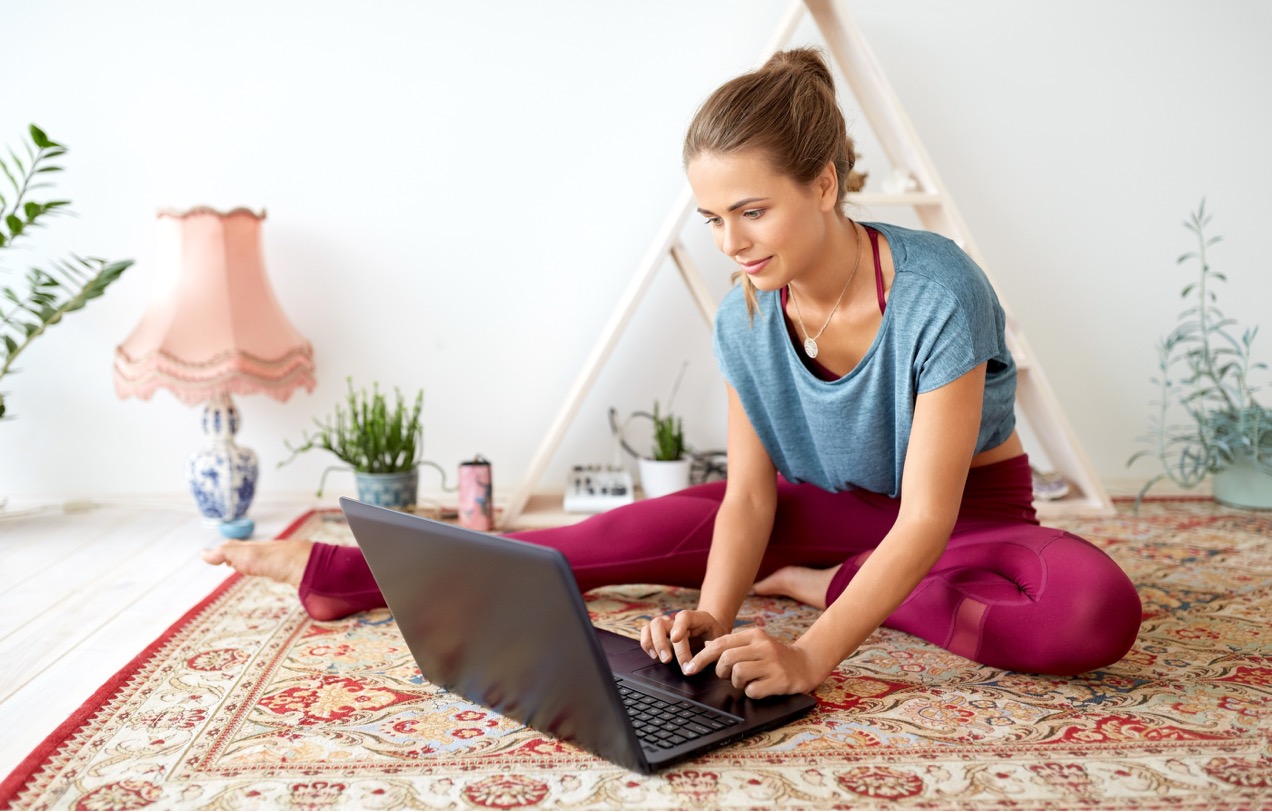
x,y
499,622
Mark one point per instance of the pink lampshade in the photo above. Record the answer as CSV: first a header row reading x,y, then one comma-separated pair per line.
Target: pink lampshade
x,y
220,330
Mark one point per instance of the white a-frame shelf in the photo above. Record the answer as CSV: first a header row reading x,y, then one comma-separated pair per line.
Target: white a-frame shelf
x,y
1036,403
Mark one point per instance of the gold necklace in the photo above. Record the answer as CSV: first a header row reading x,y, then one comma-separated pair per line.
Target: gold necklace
x,y
810,342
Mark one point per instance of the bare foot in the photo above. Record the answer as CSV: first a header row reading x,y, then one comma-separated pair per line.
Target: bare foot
x,y
281,560
804,584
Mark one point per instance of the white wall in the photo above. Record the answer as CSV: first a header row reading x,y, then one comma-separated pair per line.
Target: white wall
x,y
459,192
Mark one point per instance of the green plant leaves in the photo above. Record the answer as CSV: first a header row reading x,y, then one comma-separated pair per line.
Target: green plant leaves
x,y
368,433
41,140
50,294
669,436
1212,388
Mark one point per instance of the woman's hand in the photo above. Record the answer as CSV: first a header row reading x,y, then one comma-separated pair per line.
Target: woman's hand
x,y
761,665
665,636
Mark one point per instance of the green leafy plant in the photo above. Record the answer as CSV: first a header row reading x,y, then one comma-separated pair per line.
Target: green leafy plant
x,y
1204,370
369,434
64,286
669,436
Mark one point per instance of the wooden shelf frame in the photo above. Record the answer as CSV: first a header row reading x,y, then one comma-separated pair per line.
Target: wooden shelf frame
x,y
1036,402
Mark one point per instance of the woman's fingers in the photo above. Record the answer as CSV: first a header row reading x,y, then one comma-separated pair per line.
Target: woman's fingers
x,y
673,636
654,639
687,626
725,651
758,664
751,660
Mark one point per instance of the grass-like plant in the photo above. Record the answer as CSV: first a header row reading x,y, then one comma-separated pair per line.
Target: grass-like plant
x,y
1204,374
369,434
64,286
669,436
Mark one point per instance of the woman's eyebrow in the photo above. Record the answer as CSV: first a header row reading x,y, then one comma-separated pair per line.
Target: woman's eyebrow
x,y
735,206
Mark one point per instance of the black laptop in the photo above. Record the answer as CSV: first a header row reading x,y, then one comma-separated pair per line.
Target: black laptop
x,y
501,623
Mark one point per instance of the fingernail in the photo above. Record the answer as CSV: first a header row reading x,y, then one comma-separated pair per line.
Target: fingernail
x,y
665,656
690,668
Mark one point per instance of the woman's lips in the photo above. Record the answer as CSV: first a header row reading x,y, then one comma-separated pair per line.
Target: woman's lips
x,y
752,268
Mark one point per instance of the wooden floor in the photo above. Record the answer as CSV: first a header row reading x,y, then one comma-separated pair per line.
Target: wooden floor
x,y
85,590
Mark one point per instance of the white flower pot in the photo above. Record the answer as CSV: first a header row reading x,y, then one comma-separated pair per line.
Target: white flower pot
x,y
1243,485
661,477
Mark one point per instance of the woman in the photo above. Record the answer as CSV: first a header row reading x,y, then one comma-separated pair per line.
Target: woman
x,y
874,467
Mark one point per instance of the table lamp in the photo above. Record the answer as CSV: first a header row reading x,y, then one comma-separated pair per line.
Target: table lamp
x,y
218,332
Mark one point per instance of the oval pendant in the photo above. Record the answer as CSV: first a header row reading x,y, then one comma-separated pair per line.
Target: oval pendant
x,y
810,348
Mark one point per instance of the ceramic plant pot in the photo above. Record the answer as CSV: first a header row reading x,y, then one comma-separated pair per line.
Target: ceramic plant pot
x,y
396,491
1243,485
661,477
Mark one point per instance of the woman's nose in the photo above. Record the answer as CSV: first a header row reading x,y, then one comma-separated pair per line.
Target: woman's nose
x,y
732,241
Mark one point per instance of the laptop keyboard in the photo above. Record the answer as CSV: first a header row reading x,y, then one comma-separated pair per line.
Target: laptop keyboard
x,y
661,724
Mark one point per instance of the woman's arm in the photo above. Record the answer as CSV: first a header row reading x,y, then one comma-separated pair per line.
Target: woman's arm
x,y
742,528
942,443
745,520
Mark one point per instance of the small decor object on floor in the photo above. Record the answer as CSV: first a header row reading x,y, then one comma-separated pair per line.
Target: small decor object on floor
x,y
1205,372
1049,486
218,332
65,285
476,495
381,444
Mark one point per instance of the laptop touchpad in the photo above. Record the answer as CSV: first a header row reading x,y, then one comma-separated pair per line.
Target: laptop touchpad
x,y
705,687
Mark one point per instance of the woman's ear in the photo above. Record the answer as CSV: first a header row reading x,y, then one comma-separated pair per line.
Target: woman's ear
x,y
827,187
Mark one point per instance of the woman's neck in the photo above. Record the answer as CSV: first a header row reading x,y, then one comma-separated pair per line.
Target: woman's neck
x,y
820,286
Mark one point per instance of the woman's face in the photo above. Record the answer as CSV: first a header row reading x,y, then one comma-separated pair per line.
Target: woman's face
x,y
769,224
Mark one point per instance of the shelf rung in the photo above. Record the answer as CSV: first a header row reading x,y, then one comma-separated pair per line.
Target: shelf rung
x,y
900,199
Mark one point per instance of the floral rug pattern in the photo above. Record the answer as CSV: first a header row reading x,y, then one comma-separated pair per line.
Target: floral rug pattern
x,y
249,704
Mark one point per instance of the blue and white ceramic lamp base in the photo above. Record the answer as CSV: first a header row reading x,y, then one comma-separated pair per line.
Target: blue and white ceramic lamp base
x,y
223,475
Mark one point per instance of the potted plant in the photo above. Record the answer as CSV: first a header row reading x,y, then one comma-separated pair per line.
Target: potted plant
x,y
381,443
667,469
65,285
1205,371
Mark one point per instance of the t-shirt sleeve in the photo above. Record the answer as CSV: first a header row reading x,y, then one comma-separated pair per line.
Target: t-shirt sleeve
x,y
961,329
730,318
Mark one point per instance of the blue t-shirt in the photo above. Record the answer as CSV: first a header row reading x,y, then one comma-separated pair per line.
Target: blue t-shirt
x,y
942,320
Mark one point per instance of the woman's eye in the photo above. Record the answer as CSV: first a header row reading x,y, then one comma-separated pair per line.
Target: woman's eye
x,y
712,221
753,214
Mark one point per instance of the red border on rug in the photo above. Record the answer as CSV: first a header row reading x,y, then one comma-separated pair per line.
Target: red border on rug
x,y
33,763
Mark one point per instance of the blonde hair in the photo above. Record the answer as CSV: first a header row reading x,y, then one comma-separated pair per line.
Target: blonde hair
x,y
787,109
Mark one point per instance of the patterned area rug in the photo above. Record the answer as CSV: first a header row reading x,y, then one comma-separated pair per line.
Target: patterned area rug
x,y
248,704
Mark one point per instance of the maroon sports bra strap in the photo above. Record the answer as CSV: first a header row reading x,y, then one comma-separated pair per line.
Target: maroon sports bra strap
x,y
874,247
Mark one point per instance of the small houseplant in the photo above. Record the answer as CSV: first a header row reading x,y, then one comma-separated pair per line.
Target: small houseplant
x,y
1205,371
382,443
667,470
65,285
669,436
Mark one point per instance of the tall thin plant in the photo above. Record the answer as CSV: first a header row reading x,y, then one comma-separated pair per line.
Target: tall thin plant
x,y
1204,372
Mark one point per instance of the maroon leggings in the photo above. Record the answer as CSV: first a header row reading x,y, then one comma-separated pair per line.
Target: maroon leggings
x,y
1006,592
